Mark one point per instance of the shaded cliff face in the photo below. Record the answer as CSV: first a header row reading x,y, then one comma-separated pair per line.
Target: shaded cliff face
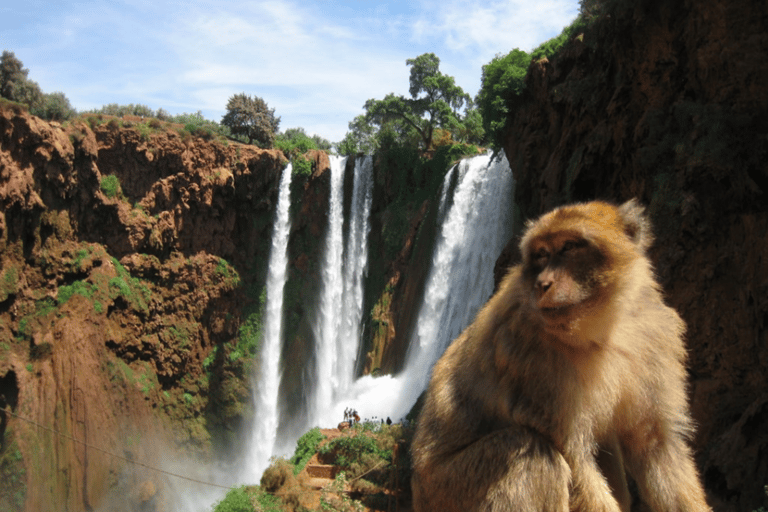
x,y
120,306
668,102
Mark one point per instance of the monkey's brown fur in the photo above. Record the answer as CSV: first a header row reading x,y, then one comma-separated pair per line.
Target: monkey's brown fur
x,y
576,351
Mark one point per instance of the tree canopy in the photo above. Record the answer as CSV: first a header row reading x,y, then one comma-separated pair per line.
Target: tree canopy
x,y
252,118
435,102
16,86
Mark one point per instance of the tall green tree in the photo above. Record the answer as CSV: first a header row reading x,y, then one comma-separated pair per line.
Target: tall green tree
x,y
251,117
435,102
14,84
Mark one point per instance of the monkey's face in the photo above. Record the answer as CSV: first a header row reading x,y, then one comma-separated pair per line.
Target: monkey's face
x,y
562,269
573,259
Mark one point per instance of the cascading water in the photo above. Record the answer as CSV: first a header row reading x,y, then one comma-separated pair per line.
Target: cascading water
x,y
472,236
476,223
329,322
268,379
355,269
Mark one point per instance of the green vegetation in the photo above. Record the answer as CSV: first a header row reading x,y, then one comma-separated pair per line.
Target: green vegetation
x,y
132,289
306,447
252,118
110,185
301,167
503,81
435,103
227,273
77,288
9,280
236,500
296,141
347,450
13,485
15,86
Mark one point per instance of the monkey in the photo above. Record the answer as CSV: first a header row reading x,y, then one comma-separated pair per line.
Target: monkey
x,y
570,380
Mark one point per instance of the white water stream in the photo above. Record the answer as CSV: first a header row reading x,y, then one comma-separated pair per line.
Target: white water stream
x,y
268,380
476,223
328,326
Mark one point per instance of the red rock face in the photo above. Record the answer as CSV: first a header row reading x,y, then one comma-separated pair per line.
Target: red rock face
x,y
667,103
144,354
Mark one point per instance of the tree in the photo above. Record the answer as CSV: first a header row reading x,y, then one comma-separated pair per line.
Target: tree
x,y
12,73
435,102
252,118
14,84
54,107
359,139
503,79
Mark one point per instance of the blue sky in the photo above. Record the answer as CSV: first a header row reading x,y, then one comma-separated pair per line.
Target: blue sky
x,y
314,62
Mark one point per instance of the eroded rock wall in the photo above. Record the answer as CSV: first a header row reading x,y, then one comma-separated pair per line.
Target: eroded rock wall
x,y
667,102
122,302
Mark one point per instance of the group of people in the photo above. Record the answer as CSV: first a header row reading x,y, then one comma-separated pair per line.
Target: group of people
x,y
351,416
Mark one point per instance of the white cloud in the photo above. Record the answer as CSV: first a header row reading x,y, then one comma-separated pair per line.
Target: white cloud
x,y
316,63
493,26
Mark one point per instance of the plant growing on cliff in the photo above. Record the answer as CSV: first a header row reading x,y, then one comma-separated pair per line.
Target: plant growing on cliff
x,y
296,141
110,185
252,118
236,500
306,447
503,80
130,288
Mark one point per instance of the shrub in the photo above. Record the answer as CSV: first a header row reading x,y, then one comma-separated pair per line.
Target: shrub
x,y
278,475
77,288
236,500
54,107
503,79
110,185
344,451
130,288
301,166
306,446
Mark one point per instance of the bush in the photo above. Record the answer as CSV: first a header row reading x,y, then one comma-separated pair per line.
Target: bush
x,y
54,107
110,185
306,446
77,288
344,451
301,166
277,475
236,500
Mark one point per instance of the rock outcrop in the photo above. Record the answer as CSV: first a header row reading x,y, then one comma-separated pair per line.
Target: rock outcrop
x,y
129,256
667,102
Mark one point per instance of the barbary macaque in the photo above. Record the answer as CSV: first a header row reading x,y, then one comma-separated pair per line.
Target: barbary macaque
x,y
570,380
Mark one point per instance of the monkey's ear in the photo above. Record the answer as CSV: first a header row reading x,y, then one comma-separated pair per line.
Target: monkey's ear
x,y
636,224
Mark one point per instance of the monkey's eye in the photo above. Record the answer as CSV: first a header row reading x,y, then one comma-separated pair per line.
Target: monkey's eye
x,y
571,245
540,257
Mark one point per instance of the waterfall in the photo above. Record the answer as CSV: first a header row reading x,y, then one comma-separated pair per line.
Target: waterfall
x,y
355,270
473,233
329,321
268,378
476,222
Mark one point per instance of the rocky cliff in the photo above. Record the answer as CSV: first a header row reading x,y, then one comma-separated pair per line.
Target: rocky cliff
x,y
131,258
667,102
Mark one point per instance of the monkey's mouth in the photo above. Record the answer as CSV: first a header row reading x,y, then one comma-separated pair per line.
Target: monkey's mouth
x,y
555,311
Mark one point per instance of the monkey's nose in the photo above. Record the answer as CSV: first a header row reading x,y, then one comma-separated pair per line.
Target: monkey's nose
x,y
544,284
